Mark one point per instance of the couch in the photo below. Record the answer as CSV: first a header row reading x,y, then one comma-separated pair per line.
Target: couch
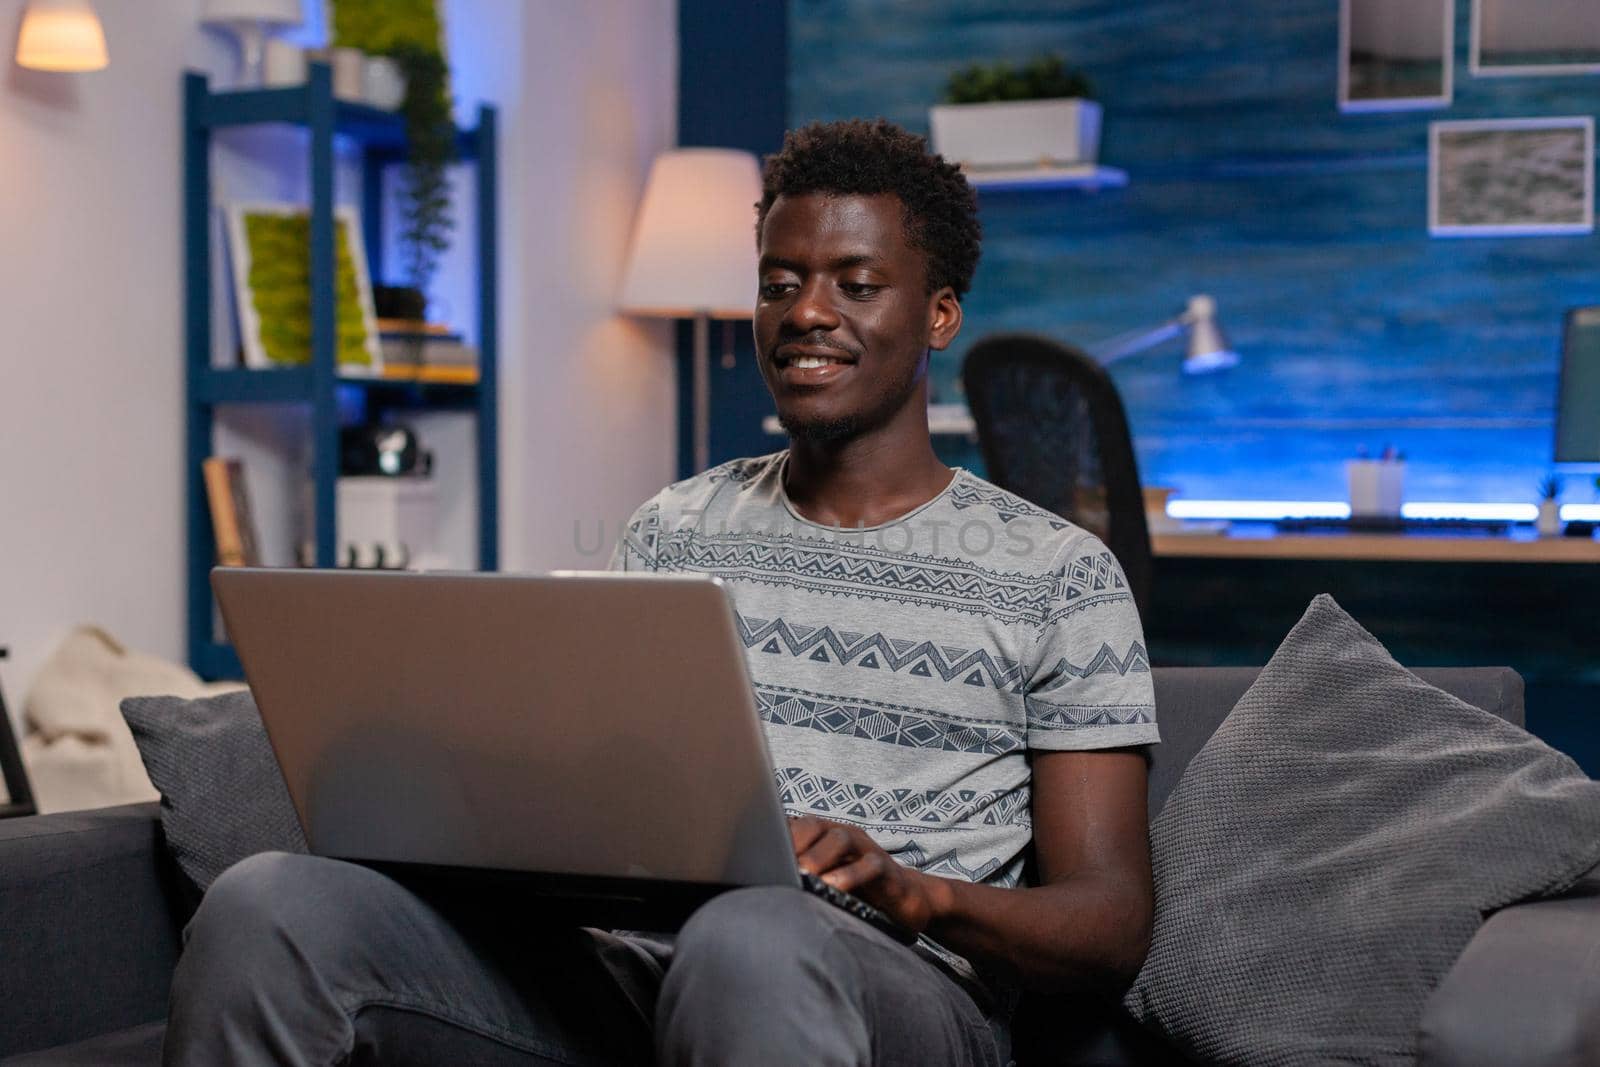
x,y
91,910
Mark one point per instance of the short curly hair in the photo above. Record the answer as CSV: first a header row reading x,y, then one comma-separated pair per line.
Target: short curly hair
x,y
862,158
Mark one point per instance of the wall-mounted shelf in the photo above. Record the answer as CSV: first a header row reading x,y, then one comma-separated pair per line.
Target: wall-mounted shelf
x,y
944,420
1087,176
381,140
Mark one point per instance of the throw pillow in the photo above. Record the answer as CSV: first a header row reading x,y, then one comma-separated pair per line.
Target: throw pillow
x,y
1335,845
222,796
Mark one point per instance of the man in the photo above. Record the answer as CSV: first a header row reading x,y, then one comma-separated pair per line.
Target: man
x,y
955,691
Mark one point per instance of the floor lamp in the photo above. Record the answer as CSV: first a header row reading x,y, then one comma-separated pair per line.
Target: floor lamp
x,y
693,255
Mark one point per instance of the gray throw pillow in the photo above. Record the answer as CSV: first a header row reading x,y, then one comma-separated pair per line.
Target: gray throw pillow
x,y
222,796
1335,845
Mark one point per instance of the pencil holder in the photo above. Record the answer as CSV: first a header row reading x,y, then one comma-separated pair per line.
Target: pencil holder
x,y
1376,487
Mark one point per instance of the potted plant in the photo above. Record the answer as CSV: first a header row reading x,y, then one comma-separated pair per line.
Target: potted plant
x,y
410,34
1001,116
1549,522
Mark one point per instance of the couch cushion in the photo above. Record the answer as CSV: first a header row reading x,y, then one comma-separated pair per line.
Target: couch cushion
x,y
1193,701
222,796
1334,846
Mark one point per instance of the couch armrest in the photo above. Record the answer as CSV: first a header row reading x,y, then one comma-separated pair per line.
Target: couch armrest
x,y
1525,992
89,925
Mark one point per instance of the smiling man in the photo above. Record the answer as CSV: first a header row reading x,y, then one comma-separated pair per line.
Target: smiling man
x,y
953,681
955,693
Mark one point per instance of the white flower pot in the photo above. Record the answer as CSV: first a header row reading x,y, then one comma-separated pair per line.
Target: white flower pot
x,y
1017,133
1549,521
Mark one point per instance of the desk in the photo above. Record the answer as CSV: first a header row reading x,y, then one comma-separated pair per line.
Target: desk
x,y
1433,599
1378,547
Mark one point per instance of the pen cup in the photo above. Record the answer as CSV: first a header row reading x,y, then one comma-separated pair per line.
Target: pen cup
x,y
1376,487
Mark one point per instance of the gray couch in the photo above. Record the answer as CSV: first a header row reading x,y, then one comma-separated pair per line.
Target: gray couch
x,y
91,909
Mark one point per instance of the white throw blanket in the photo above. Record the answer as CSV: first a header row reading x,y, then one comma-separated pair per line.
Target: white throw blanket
x,y
78,750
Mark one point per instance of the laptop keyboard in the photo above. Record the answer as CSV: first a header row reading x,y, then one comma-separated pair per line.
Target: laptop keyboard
x,y
857,907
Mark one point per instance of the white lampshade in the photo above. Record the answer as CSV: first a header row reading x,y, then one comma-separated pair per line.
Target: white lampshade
x,y
694,242
262,12
61,35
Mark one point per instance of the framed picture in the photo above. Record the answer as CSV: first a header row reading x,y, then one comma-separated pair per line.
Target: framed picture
x,y
1506,177
1535,37
269,248
1396,55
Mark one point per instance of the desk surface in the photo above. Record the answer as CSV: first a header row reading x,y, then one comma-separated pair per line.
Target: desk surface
x,y
1426,547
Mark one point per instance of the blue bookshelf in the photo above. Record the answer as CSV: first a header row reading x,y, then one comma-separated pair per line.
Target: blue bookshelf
x,y
380,137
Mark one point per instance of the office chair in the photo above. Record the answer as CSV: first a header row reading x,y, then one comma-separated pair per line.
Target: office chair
x,y
1052,430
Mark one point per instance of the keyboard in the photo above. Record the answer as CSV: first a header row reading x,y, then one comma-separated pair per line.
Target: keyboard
x,y
857,907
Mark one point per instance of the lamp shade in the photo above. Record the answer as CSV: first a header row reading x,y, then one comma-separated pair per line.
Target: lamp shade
x,y
694,245
61,35
263,12
1208,349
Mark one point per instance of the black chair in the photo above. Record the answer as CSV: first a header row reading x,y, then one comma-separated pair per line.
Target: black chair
x,y
19,794
1052,430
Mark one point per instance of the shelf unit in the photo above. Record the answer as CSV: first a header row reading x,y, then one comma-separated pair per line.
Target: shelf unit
x,y
380,136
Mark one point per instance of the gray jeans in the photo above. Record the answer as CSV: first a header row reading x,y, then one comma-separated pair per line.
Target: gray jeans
x,y
301,960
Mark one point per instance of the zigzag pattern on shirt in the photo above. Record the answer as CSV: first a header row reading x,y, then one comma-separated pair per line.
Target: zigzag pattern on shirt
x,y
887,723
642,534
1106,661
898,808
1008,506
1058,717
845,568
947,865
922,659
1085,580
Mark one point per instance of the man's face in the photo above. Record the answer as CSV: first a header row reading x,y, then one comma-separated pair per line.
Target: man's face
x,y
844,319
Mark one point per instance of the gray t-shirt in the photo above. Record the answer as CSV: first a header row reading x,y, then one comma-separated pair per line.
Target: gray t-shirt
x,y
904,671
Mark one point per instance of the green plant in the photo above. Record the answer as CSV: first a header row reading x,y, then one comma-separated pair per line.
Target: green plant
x,y
426,218
409,32
1549,487
1044,78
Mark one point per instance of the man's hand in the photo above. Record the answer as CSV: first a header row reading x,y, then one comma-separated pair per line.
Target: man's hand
x,y
847,859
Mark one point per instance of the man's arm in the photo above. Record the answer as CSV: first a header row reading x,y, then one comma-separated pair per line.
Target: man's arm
x,y
1086,926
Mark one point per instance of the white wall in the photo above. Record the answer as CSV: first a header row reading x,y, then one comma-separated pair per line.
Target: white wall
x,y
597,392
91,383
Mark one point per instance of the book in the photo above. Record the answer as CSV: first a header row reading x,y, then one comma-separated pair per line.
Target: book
x,y
232,524
457,375
413,326
414,350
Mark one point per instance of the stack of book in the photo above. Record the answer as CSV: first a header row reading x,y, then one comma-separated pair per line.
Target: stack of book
x,y
426,352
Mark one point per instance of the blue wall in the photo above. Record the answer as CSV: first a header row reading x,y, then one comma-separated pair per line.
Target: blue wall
x,y
1307,225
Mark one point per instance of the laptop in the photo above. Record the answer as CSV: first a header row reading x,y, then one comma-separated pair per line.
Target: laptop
x,y
589,738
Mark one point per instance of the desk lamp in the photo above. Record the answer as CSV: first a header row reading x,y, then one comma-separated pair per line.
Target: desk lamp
x,y
1208,349
694,255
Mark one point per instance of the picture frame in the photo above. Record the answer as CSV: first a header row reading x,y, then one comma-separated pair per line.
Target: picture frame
x,y
1534,38
1396,55
270,257
1511,177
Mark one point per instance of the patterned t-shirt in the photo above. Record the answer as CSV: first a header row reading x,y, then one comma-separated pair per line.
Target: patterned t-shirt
x,y
904,671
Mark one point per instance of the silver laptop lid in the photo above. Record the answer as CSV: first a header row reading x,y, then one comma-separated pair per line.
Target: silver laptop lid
x,y
593,724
